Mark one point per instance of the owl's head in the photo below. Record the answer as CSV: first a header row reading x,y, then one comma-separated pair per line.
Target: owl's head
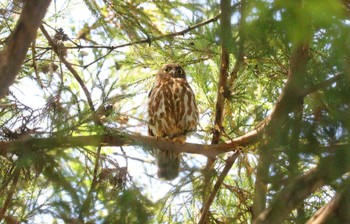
x,y
173,70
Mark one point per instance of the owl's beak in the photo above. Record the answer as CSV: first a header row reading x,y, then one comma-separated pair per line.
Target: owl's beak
x,y
172,72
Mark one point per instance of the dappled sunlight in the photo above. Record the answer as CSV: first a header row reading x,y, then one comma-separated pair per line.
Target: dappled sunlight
x,y
79,144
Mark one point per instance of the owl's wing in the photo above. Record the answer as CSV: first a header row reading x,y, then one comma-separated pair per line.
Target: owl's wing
x,y
150,133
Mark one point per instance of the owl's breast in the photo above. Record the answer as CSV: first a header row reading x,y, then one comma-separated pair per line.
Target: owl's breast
x,y
172,108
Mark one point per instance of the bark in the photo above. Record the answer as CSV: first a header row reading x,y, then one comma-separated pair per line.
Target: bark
x,y
19,41
260,185
220,101
337,210
301,187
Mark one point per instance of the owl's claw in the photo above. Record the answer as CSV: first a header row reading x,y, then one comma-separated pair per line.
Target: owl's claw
x,y
179,139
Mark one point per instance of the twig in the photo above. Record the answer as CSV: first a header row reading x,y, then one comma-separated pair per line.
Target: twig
x,y
96,60
146,40
87,201
8,200
323,84
229,162
72,70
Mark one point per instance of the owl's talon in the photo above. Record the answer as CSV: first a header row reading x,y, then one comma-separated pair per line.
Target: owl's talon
x,y
181,140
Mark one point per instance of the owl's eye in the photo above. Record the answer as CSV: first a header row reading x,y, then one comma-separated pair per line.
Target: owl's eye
x,y
167,69
179,71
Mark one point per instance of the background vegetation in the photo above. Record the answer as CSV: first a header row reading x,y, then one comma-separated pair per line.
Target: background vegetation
x,y
271,81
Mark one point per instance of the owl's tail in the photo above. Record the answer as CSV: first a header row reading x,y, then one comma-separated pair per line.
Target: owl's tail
x,y
168,162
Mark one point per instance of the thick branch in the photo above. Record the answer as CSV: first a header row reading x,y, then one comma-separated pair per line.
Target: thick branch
x,y
293,92
260,185
294,193
18,43
29,145
276,128
337,208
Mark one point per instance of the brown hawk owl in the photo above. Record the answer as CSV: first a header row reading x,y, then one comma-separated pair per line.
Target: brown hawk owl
x,y
172,113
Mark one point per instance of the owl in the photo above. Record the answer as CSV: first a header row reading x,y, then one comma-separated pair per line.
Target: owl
x,y
172,113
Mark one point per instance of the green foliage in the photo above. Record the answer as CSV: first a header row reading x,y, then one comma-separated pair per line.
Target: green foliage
x,y
116,48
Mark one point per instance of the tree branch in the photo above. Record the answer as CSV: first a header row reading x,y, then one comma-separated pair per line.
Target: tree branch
x,y
225,61
334,208
10,193
149,40
220,100
323,84
18,43
229,162
72,70
114,138
301,187
97,121
293,92
242,36
276,128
